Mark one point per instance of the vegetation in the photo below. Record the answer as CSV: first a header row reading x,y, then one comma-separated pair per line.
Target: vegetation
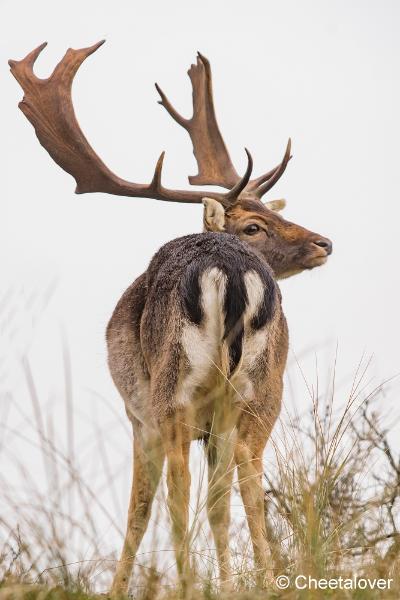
x,y
332,507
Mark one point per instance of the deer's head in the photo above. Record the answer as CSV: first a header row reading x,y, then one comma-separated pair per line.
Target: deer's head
x,y
287,247
47,103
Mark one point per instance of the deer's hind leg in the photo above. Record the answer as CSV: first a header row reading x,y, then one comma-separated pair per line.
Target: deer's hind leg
x,y
253,433
221,465
148,458
176,436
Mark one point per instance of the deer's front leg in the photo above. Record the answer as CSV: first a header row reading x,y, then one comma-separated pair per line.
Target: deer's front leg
x,y
176,438
148,458
253,434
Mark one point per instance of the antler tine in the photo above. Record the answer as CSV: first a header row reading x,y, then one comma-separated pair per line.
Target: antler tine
x,y
255,183
274,175
233,195
170,109
156,181
30,59
213,160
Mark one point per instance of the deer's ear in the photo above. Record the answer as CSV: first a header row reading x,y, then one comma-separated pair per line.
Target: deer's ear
x,y
275,205
214,215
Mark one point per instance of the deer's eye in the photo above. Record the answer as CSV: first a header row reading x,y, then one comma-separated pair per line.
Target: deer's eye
x,y
252,229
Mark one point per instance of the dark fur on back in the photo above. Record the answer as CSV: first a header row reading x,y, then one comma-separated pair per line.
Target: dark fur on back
x,y
180,263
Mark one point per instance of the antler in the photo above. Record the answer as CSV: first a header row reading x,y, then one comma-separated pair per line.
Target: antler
x,y
214,163
213,160
47,104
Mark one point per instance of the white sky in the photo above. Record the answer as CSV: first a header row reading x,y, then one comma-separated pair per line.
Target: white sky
x,y
325,73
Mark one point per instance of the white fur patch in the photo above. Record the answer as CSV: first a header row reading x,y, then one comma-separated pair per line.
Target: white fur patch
x,y
254,341
203,344
255,294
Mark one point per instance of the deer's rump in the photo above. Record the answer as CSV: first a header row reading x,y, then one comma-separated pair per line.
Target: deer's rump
x,y
208,294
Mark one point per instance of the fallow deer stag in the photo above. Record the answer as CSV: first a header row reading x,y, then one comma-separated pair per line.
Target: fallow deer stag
x,y
197,344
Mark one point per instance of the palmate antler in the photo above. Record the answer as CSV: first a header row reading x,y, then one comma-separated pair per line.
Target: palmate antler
x,y
47,103
213,160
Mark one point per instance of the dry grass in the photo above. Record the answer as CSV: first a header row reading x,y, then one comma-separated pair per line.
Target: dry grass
x,y
332,505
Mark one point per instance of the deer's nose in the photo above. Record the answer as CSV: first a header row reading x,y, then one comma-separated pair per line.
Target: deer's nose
x,y
325,244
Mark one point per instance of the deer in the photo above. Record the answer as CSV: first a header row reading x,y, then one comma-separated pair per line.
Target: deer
x,y
197,345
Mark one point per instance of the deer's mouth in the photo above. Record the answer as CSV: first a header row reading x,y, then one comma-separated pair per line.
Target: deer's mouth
x,y
320,260
316,261
315,258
